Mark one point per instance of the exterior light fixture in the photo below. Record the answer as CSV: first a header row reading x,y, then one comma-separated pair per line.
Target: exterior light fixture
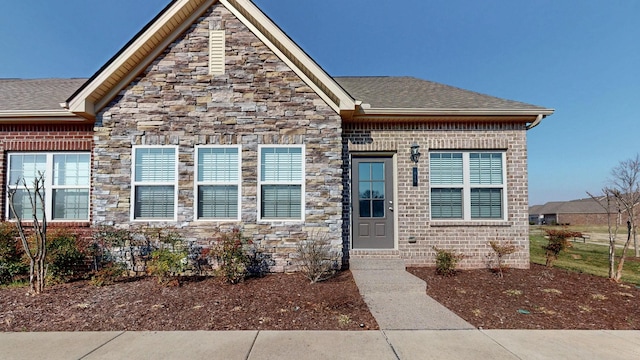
x,y
415,157
415,153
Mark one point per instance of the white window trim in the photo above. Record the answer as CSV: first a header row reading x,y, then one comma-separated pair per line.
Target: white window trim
x,y
466,186
135,183
302,182
197,184
48,183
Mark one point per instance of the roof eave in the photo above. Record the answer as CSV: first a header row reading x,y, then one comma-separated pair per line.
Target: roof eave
x,y
118,72
127,64
41,116
530,116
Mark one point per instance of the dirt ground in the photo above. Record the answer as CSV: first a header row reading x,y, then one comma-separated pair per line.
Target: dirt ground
x,y
539,298
275,302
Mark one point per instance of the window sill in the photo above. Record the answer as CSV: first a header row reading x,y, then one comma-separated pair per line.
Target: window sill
x,y
470,223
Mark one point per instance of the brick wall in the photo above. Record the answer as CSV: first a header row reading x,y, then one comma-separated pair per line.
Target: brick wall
x,y
412,203
259,100
34,137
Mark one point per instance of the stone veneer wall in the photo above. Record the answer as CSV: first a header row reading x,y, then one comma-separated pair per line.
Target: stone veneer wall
x,y
259,100
37,137
412,203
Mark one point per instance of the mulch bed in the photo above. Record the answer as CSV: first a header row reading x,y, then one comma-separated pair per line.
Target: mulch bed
x,y
538,298
275,302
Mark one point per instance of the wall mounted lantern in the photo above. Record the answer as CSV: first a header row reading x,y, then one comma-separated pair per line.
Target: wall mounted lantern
x,y
415,157
415,153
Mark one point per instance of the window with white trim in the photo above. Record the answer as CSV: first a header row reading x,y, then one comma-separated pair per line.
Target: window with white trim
x,y
154,182
467,185
281,182
218,182
66,177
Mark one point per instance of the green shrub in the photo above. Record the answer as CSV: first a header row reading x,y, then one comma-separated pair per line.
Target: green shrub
x,y
558,241
65,259
229,251
11,264
169,258
446,261
107,274
166,264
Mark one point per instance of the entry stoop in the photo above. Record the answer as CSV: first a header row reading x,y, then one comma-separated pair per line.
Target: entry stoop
x,y
364,263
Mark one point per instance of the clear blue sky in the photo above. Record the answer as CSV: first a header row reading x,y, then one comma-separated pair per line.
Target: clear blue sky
x,y
581,58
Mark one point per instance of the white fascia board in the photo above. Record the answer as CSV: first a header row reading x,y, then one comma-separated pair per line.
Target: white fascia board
x,y
451,112
39,115
345,101
80,103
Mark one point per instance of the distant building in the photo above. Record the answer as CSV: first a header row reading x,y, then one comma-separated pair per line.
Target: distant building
x,y
575,212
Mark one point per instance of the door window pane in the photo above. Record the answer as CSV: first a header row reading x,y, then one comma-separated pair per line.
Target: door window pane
x,y
371,189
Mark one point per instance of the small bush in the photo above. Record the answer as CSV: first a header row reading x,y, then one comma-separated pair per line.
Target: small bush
x,y
65,259
169,258
11,264
229,251
558,241
500,252
446,261
107,274
317,261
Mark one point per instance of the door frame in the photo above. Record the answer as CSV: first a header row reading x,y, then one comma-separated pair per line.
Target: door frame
x,y
394,161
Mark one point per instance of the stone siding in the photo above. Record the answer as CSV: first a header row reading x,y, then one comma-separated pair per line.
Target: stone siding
x,y
259,100
412,203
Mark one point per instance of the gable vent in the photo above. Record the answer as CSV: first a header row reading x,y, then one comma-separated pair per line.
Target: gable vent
x,y
216,52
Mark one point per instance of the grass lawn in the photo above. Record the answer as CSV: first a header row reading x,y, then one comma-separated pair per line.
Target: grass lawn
x,y
586,258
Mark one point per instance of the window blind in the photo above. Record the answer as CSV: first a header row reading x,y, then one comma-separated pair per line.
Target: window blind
x,y
281,164
155,165
445,169
485,168
218,165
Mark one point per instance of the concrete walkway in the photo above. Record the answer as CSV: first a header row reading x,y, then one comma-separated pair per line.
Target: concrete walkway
x,y
398,299
285,345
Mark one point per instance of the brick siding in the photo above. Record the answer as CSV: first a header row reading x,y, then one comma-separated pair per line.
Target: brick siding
x,y
42,137
412,205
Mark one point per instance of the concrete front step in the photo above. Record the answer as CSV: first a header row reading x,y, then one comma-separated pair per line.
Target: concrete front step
x,y
364,263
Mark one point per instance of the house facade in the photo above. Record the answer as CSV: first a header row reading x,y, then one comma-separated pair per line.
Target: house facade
x,y
212,117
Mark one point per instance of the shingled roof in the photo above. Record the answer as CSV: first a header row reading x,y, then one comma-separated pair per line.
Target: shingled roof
x,y
580,206
36,94
413,93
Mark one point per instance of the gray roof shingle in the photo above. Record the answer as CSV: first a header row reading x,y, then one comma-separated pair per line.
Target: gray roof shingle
x,y
378,91
36,94
412,93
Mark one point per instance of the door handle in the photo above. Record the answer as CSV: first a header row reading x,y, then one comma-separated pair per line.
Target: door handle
x,y
390,208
